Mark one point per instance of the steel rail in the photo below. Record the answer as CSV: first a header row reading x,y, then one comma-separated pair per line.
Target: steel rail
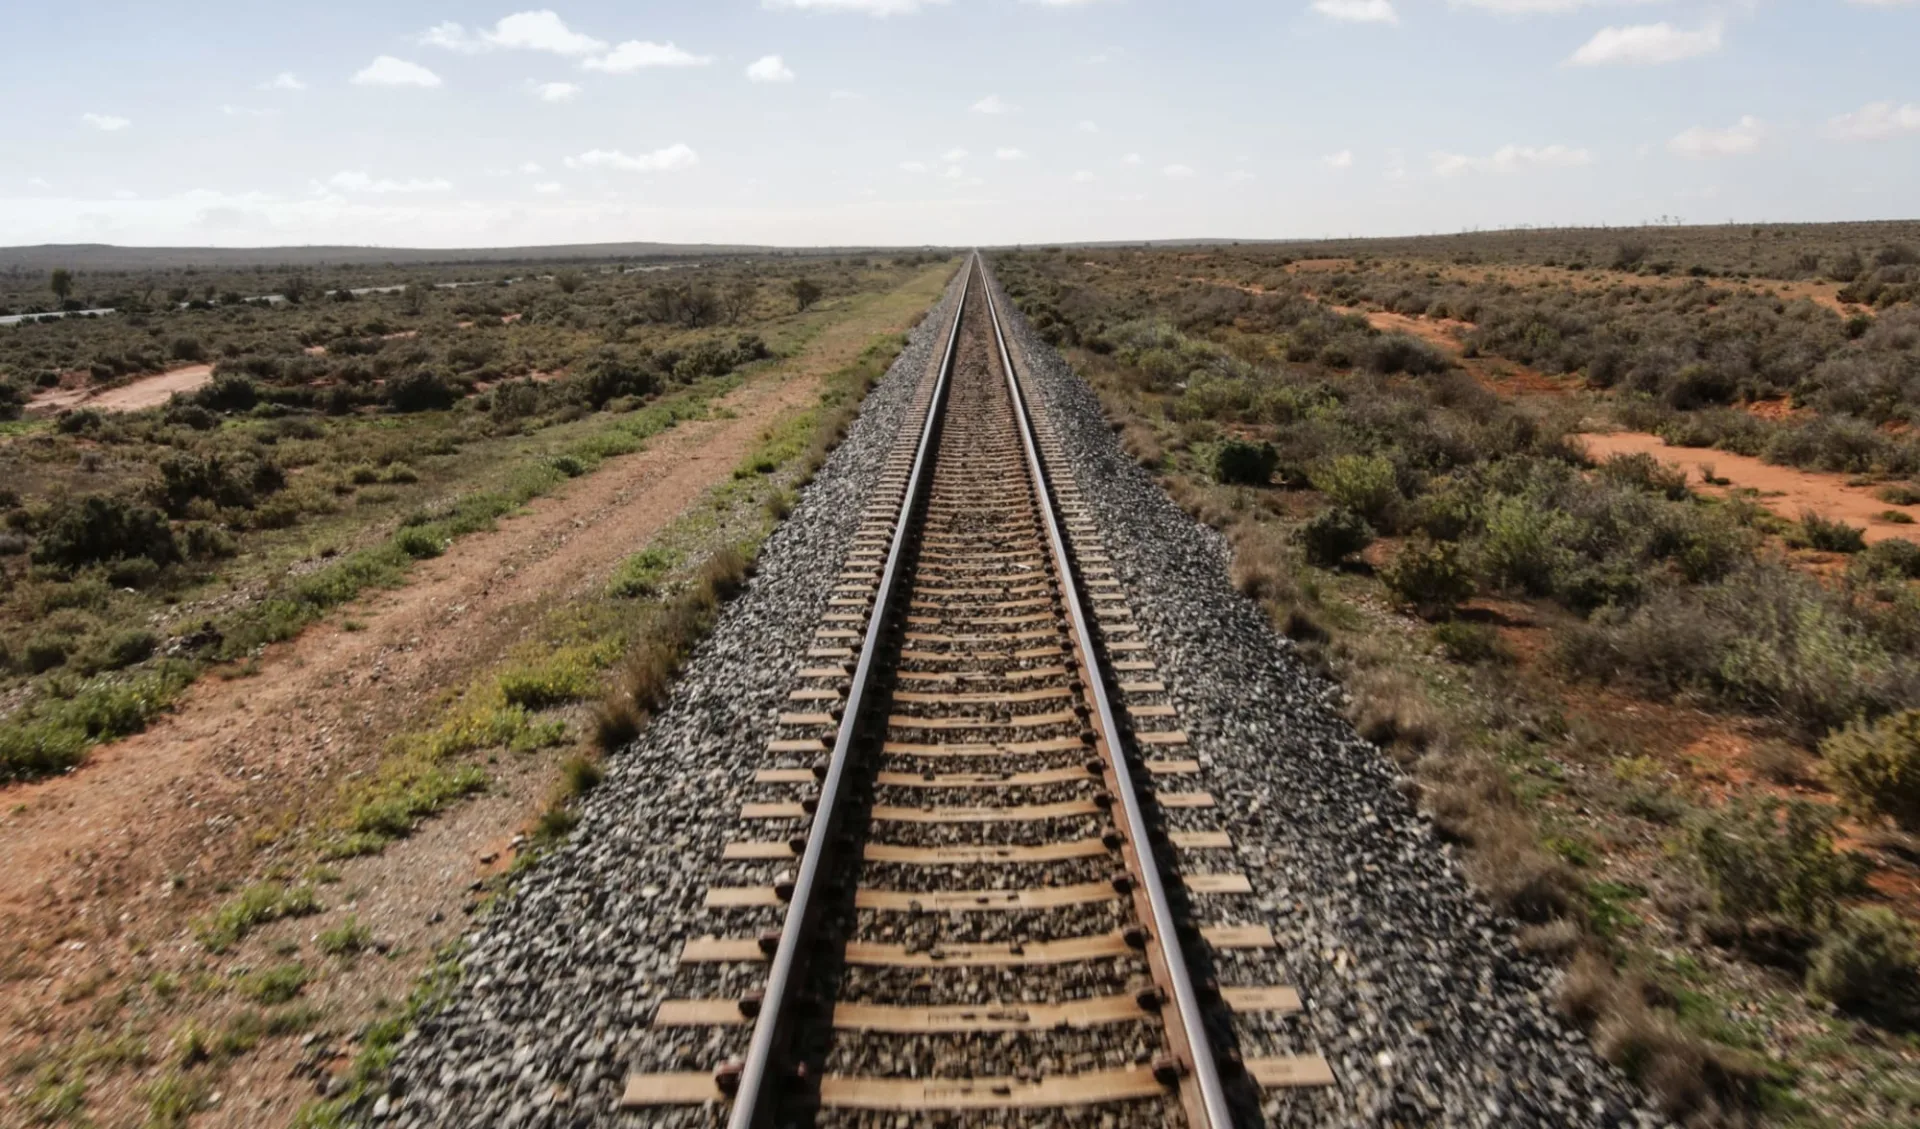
x,y
756,1071
1205,1072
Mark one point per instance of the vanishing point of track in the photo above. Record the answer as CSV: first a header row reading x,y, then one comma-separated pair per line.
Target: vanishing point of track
x,y
968,842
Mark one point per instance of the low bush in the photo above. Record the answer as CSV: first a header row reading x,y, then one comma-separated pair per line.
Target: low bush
x,y
1247,464
1865,962
422,390
1772,859
1471,642
98,528
1644,472
1333,535
1875,768
1429,577
1364,484
641,574
1819,532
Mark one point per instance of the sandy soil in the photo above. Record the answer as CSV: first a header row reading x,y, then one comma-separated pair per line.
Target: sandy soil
x,y
106,867
1786,491
145,392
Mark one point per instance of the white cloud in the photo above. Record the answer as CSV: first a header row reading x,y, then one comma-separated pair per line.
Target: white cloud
x,y
636,54
1744,136
1358,11
541,30
954,154
233,111
1645,45
109,123
1240,176
531,168
1087,127
769,68
285,80
844,96
555,91
547,187
1341,160
913,166
451,36
1883,3
864,7
389,71
1512,158
671,159
1130,159
361,182
1177,172
992,104
1008,154
1084,176
1876,121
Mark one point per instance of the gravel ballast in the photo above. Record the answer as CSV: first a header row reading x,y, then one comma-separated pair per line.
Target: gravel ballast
x,y
1413,989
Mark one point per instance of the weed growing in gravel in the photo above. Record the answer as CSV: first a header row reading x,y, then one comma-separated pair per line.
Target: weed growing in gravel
x,y
274,985
253,907
346,940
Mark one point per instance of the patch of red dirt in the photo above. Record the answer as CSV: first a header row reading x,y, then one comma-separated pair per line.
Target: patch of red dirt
x,y
1786,491
1774,409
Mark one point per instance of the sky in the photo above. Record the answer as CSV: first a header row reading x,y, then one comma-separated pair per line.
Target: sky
x,y
904,122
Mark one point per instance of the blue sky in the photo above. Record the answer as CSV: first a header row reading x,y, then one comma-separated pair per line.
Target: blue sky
x,y
965,121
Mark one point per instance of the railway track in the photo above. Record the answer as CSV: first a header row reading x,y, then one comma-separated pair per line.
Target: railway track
x,y
980,883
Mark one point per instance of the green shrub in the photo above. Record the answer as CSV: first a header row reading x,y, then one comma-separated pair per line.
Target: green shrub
x,y
1895,556
1642,471
419,543
1875,769
641,574
1898,493
121,649
1522,546
1471,643
1429,576
1364,484
98,528
1828,535
422,390
1333,535
1242,463
552,683
1866,961
1765,858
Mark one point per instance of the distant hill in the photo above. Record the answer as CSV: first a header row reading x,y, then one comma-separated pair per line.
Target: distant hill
x,y
105,256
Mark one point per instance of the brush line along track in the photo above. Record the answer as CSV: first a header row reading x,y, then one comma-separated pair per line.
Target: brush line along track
x,y
966,842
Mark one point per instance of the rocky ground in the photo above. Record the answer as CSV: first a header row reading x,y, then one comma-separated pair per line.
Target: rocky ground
x,y
1414,990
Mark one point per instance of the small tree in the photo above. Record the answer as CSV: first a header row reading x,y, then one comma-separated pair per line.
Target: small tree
x,y
806,292
568,281
61,283
741,297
